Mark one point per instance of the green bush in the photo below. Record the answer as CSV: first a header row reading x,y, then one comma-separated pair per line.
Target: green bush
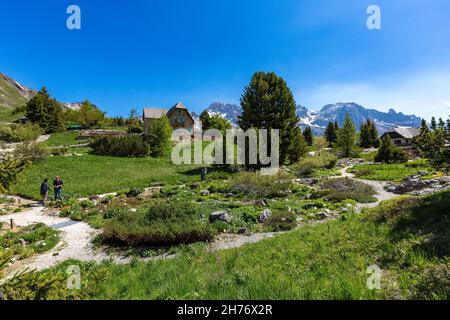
x,y
20,133
125,146
33,151
258,185
338,190
161,223
307,166
281,221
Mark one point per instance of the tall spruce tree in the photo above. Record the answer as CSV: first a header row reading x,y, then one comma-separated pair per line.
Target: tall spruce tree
x,y
330,134
307,134
46,112
268,103
433,123
374,137
159,136
441,124
364,138
347,137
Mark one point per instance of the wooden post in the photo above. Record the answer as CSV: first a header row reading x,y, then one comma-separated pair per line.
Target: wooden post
x,y
11,223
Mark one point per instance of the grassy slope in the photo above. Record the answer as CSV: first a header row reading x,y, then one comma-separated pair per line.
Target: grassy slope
x,y
63,139
89,174
13,99
407,238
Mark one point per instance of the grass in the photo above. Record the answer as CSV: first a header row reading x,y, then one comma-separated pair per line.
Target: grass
x,y
390,172
90,175
406,237
6,115
63,139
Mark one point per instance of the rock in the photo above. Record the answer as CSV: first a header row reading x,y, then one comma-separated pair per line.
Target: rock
x,y
265,215
230,195
322,215
327,211
423,172
220,215
243,231
204,192
344,209
133,209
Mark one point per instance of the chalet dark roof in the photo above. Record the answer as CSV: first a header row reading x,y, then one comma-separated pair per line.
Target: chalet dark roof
x,y
405,132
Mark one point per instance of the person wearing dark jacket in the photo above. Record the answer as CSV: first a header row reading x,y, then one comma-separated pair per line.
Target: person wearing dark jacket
x,y
44,191
57,188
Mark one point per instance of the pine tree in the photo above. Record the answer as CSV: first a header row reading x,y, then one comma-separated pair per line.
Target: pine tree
x,y
46,112
433,123
385,152
205,119
159,136
347,137
374,137
330,134
307,134
89,115
441,124
268,103
364,138
448,128
298,147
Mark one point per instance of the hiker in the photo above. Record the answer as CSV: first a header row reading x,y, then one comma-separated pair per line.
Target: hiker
x,y
57,188
44,191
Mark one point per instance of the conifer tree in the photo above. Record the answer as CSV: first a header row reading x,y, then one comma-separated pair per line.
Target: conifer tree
x,y
347,137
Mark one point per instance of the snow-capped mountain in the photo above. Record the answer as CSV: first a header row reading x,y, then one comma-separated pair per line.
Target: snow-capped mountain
x,y
318,120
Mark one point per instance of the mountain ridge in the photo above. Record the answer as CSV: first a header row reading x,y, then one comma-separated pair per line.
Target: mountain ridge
x,y
318,120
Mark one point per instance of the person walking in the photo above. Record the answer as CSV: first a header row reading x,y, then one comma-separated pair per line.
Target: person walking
x,y
44,191
57,188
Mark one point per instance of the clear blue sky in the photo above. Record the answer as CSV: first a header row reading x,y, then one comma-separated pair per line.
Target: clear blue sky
x,y
154,53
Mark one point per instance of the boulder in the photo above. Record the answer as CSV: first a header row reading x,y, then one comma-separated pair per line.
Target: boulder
x,y
243,231
220,216
265,215
204,192
322,215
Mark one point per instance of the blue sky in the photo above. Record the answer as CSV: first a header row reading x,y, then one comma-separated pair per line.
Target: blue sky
x,y
154,53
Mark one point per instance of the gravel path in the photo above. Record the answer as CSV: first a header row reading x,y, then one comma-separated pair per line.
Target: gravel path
x,y
378,186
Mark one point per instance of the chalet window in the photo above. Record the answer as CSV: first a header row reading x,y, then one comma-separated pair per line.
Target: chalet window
x,y
397,141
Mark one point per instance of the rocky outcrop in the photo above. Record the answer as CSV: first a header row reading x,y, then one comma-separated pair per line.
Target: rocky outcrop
x,y
416,185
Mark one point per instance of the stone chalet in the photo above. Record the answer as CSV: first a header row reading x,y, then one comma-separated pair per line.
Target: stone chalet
x,y
402,136
179,117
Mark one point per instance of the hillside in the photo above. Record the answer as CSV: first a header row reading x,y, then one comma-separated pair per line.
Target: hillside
x,y
12,95
318,120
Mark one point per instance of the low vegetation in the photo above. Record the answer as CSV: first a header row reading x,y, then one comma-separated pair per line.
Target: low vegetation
x,y
391,172
315,165
14,133
258,185
407,238
126,146
337,190
161,223
26,242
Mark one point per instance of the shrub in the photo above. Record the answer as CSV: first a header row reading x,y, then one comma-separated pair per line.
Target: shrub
x,y
281,221
307,166
33,151
161,223
259,185
338,190
125,146
20,133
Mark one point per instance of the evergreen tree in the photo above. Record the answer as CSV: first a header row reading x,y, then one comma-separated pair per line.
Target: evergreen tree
x,y
424,127
441,124
433,123
205,119
374,138
298,147
46,112
159,136
307,134
331,133
347,137
268,103
364,138
448,128
385,152
10,169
